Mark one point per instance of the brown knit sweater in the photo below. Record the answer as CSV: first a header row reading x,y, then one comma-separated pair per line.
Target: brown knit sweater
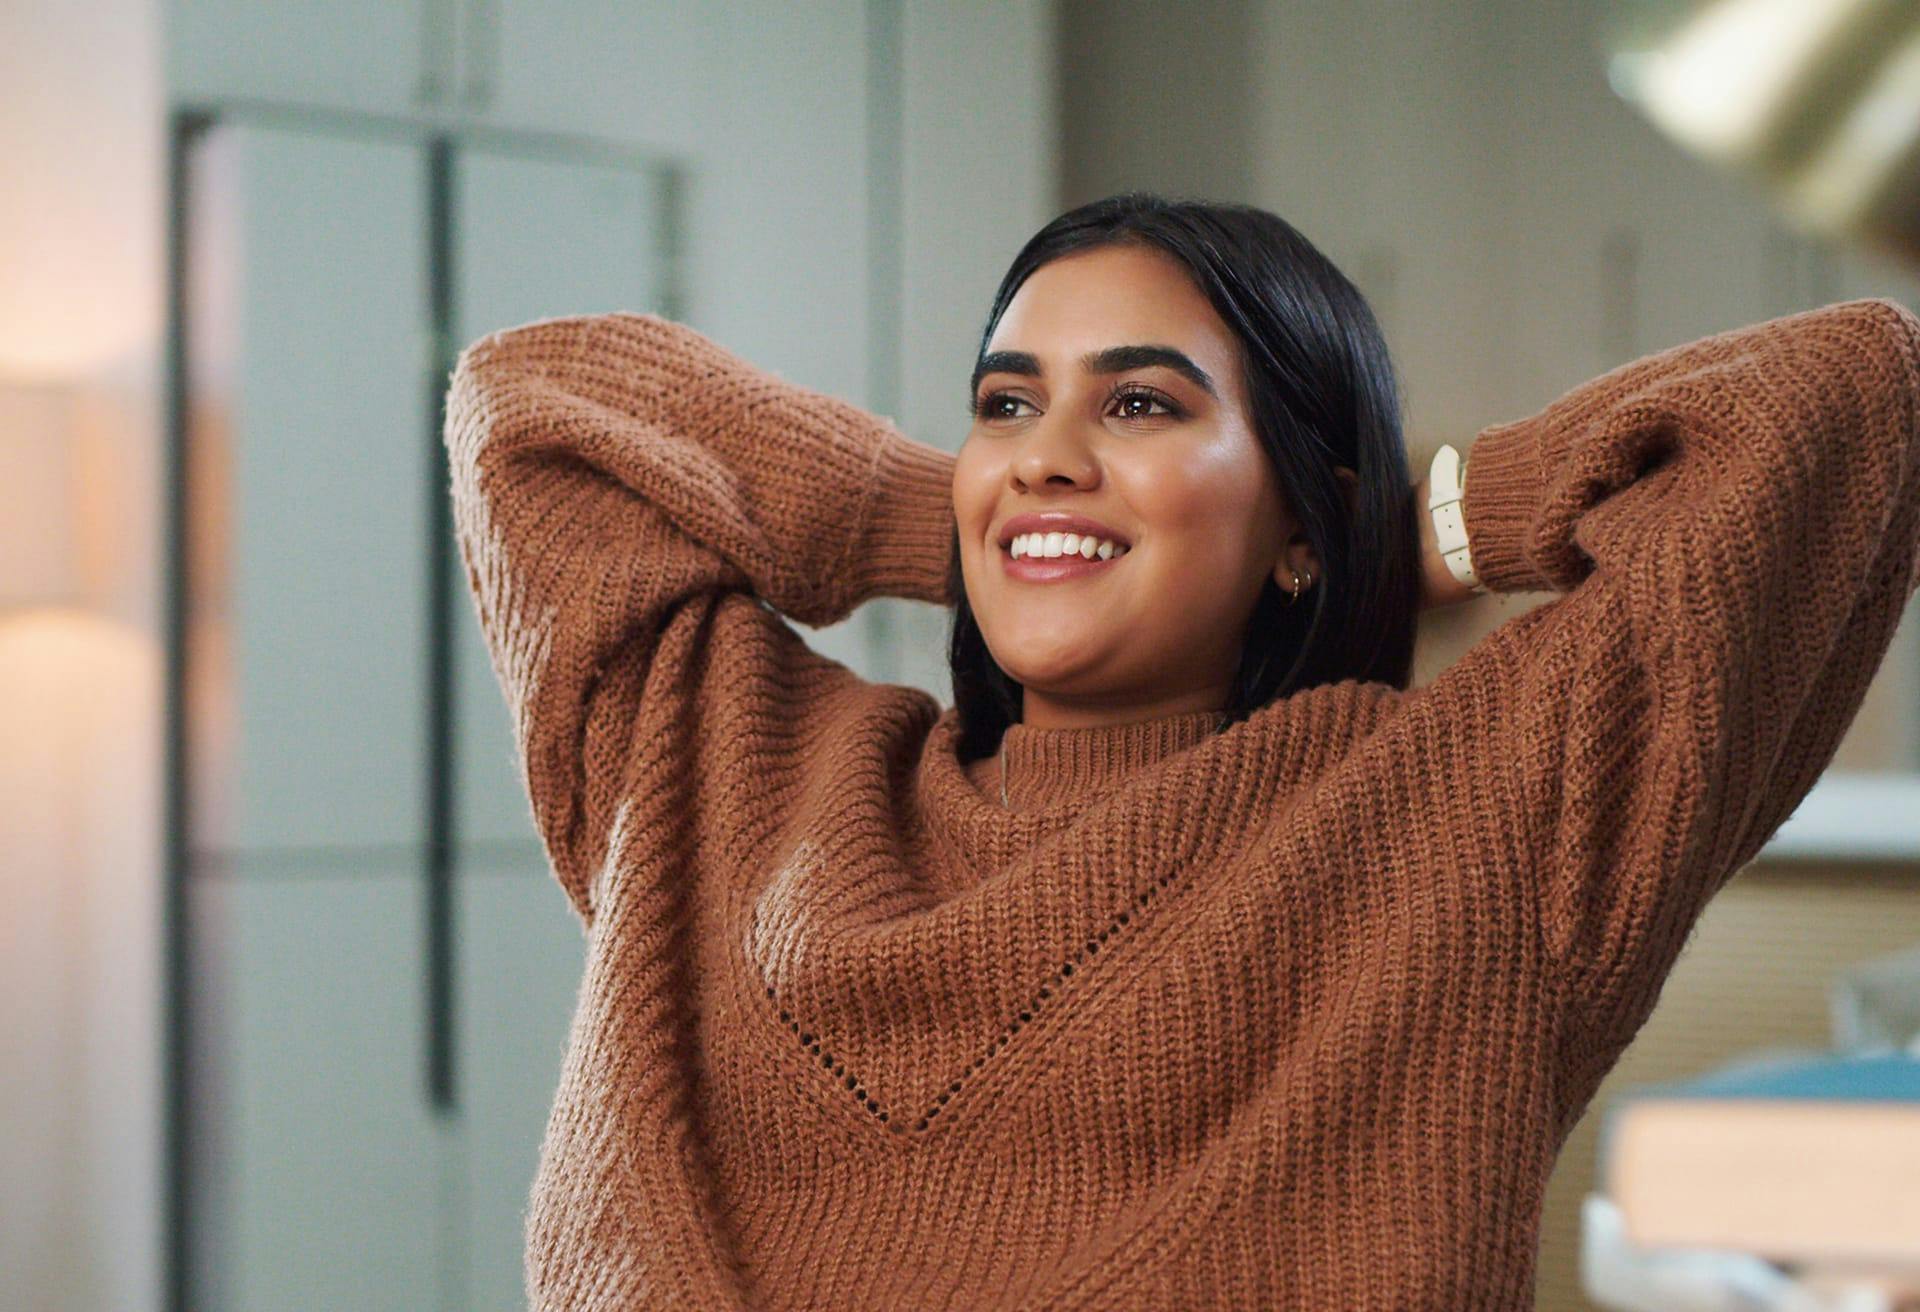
x,y
1297,1014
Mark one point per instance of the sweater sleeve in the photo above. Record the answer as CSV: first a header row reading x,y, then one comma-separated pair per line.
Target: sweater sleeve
x,y
615,475
1735,523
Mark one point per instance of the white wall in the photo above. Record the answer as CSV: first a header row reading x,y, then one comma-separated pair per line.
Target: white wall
x,y
81,246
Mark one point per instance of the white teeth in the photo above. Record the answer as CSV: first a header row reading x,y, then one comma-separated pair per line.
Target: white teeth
x,y
1064,544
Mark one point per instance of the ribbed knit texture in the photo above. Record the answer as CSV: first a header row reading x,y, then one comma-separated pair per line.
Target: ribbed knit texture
x,y
1294,1015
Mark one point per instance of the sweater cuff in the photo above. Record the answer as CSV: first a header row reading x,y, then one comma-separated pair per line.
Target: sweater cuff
x,y
904,541
1504,490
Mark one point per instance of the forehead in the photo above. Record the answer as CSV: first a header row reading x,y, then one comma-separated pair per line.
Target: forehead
x,y
1114,296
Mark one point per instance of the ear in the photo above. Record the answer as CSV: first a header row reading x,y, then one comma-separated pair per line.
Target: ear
x,y
1297,557
1299,553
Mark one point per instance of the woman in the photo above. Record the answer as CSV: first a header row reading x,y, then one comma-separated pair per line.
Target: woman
x,y
1190,959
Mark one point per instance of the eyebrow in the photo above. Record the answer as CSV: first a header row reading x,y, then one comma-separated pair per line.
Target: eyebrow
x,y
1110,360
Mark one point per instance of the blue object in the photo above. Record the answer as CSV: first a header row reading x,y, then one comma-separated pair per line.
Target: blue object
x,y
1881,1077
1805,1074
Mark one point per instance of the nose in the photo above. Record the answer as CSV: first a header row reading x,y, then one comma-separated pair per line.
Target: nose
x,y
1054,454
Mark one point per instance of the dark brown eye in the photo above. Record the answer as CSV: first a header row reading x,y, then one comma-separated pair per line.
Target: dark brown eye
x,y
1129,396
985,407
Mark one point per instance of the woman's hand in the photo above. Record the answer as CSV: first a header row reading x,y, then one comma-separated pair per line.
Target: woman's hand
x,y
1438,586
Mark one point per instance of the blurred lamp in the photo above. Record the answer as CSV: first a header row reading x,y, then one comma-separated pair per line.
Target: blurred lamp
x,y
1818,101
39,496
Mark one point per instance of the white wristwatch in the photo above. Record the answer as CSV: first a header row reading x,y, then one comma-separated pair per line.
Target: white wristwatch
x,y
1445,484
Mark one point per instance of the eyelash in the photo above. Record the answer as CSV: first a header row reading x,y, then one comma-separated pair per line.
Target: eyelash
x,y
982,408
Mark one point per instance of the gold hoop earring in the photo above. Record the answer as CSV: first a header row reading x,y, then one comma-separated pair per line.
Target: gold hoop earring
x,y
1297,588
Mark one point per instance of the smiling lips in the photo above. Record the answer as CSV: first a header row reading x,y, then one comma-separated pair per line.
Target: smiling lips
x,y
1043,557
1055,545
1043,547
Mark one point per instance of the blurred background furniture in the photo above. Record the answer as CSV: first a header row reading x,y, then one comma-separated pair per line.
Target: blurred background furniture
x,y
1785,1241
1619,1274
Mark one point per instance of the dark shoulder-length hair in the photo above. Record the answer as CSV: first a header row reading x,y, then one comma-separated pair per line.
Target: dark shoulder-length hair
x,y
1322,394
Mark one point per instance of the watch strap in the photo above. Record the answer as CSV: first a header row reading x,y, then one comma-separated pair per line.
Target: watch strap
x,y
1446,488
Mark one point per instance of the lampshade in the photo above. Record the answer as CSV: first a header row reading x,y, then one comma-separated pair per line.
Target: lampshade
x,y
39,496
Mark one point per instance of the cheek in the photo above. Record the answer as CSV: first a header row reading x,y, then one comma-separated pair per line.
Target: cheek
x,y
975,496
1210,545
1200,500
972,497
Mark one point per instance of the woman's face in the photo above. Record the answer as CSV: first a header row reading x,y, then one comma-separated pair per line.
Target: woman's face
x,y
1156,447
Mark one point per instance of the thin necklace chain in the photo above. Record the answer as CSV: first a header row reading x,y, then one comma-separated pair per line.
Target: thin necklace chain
x,y
1003,769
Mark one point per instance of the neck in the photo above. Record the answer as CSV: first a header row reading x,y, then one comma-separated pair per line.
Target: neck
x,y
1038,710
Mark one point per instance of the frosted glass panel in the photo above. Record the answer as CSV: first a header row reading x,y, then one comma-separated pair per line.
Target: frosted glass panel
x,y
322,1170
539,237
520,957
361,54
312,459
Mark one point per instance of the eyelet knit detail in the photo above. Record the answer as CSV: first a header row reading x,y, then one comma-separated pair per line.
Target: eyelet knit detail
x,y
1048,769
1081,959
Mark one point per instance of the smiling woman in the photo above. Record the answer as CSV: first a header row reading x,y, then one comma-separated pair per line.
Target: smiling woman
x,y
1221,969
1204,383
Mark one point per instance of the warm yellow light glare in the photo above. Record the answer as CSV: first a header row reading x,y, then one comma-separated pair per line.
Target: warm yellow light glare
x,y
1720,83
1866,157
39,496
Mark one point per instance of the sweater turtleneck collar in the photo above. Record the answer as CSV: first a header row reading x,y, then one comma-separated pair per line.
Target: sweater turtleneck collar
x,y
1048,766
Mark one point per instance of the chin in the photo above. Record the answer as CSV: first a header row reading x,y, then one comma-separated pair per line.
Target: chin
x,y
1047,670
